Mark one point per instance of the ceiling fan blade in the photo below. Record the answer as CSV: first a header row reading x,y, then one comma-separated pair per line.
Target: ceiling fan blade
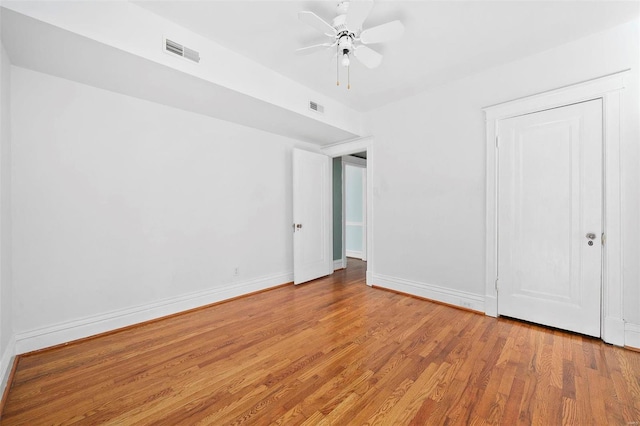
x,y
312,49
317,22
369,57
356,14
386,32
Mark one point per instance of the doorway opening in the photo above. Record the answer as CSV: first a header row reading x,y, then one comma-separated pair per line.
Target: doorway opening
x,y
350,210
363,147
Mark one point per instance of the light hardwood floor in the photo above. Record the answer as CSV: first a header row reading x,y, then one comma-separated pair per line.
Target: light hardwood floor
x,y
332,351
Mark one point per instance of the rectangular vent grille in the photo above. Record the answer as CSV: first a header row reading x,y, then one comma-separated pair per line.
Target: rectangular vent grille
x,y
191,54
180,50
314,106
173,47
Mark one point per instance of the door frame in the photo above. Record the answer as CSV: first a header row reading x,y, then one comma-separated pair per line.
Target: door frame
x,y
352,147
609,89
361,163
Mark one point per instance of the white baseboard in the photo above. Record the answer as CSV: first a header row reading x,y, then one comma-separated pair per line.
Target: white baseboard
x,y
613,331
632,335
356,254
430,291
73,330
339,264
6,362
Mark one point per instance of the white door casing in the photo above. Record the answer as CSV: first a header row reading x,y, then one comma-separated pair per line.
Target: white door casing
x,y
352,147
550,217
610,89
312,216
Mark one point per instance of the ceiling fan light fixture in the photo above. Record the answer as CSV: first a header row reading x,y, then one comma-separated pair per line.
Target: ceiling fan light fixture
x,y
345,59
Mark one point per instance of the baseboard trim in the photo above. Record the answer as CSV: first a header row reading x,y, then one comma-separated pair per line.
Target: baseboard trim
x,y
632,336
70,331
8,364
457,298
356,254
339,264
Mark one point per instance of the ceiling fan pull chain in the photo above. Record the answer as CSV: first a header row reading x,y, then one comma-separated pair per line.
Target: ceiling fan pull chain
x,y
337,66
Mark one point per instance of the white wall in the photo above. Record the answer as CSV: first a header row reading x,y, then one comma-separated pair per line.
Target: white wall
x,y
430,169
125,210
7,345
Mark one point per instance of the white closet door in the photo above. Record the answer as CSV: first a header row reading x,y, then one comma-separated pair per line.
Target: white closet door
x,y
550,217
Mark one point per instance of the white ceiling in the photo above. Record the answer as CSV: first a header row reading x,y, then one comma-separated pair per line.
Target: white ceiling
x,y
443,40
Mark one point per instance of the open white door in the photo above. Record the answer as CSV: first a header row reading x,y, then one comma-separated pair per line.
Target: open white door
x,y
550,217
312,216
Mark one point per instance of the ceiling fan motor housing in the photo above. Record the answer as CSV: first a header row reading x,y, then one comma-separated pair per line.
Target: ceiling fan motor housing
x,y
345,42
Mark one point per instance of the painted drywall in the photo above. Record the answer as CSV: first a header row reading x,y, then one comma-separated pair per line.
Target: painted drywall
x,y
6,314
353,208
120,204
337,208
429,184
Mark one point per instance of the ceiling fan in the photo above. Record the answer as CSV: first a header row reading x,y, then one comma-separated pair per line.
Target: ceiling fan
x,y
347,35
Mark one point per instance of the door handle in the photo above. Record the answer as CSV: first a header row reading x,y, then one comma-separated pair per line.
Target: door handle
x,y
298,225
591,236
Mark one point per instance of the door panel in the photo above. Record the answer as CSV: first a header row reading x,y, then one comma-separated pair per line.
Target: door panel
x,y
355,211
549,198
312,216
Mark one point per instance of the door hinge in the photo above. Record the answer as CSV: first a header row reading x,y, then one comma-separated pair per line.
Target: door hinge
x,y
496,284
603,238
496,141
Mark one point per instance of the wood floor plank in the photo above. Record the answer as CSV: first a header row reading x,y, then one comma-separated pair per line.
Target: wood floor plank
x,y
332,351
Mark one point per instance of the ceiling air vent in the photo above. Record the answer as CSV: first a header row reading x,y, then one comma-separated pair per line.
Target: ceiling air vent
x,y
171,46
314,106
